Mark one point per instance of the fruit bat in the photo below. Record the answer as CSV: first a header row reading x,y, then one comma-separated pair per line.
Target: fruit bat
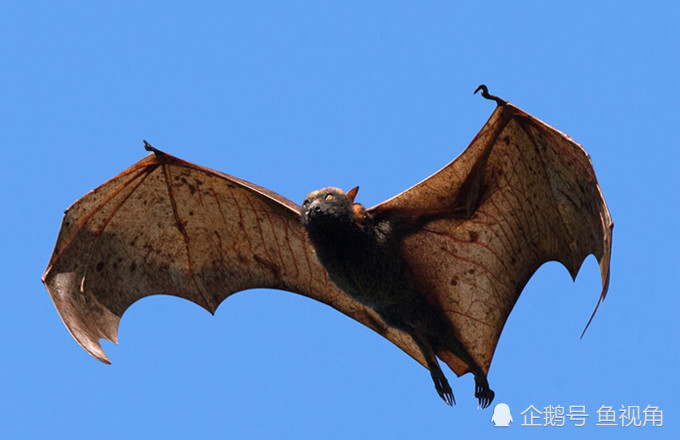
x,y
436,269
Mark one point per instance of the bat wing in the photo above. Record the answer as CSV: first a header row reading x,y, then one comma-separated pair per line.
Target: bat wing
x,y
521,194
166,226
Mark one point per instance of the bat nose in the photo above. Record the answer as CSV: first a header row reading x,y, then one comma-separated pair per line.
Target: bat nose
x,y
313,210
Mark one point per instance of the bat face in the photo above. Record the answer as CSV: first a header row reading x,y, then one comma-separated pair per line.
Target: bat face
x,y
326,204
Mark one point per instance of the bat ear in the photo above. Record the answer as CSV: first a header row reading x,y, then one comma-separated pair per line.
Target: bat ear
x,y
352,193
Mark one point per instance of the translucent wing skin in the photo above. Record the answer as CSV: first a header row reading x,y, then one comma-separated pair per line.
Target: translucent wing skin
x,y
521,194
166,226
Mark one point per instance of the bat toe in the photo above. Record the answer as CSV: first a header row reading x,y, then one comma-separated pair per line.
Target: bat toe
x,y
444,389
483,393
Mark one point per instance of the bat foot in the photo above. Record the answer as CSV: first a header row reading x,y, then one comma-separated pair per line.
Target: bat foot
x,y
483,393
443,388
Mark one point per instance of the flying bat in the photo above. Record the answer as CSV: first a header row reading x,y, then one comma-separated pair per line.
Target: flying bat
x,y
436,269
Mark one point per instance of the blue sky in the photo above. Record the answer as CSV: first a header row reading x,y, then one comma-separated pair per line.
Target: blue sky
x,y
299,95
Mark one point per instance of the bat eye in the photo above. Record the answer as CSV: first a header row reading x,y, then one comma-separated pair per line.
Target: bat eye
x,y
329,197
305,203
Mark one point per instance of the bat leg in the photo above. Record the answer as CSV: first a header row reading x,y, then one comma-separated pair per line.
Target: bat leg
x,y
441,384
483,393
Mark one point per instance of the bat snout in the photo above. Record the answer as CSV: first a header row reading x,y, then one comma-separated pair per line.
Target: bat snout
x,y
314,210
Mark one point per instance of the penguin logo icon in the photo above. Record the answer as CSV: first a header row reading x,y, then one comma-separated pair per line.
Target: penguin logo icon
x,y
501,415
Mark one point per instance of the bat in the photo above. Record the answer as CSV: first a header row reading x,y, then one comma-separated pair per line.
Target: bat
x,y
436,269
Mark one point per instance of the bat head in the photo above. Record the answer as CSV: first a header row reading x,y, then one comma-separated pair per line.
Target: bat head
x,y
328,205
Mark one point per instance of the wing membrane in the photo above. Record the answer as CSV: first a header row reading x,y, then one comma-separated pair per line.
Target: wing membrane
x,y
166,226
521,194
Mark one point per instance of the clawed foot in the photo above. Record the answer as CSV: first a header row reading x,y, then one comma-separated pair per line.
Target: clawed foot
x,y
482,392
443,389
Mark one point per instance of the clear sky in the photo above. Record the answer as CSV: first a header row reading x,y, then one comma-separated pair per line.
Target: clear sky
x,y
298,95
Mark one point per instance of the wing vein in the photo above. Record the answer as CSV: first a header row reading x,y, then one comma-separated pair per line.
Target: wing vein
x,y
179,223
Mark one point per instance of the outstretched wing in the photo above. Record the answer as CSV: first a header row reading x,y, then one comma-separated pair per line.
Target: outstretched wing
x,y
521,194
166,226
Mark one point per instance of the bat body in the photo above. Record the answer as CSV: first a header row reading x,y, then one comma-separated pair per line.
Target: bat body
x,y
436,269
362,256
